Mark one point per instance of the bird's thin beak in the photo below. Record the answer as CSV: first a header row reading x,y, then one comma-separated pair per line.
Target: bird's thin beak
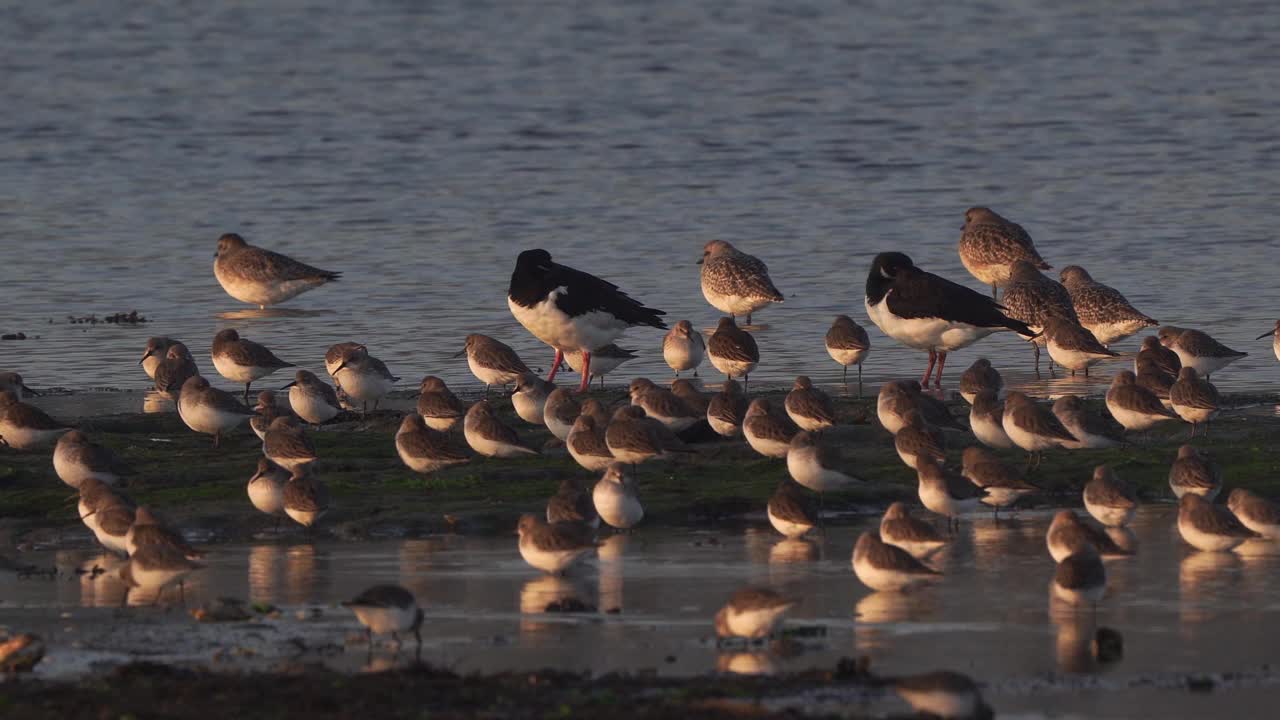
x,y
33,392
460,353
1265,334
255,476
340,366
286,387
215,254
700,261
145,355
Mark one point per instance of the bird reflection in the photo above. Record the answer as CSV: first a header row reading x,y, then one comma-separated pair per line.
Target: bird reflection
x,y
793,550
299,574
1083,647
155,402
100,583
887,608
548,593
1204,577
265,562
746,663
417,558
611,572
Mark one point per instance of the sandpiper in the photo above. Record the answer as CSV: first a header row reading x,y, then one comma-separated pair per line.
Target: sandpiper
x,y
1102,310
333,356
808,407
615,498
1033,298
1033,427
1003,484
1255,512
662,405
727,410
767,432
1091,430
683,348
942,694
1275,334
735,282
1195,400
947,493
266,411
1072,346
990,244
363,377
815,464
156,567
424,450
888,568
1160,357
732,350
918,443
1133,406
312,399
1108,499
287,444
387,609
687,391
553,548
261,277
174,370
604,360
1068,535
899,527
489,436
26,427
790,510
1194,472
306,499
848,344
243,361
152,355
752,613
596,410
266,487
1081,578
559,412
587,446
1197,350
96,496
926,312
530,398
76,457
570,310
894,402
634,438
437,405
493,362
978,377
986,418
934,411
208,410
148,530
1209,527
1154,379
572,503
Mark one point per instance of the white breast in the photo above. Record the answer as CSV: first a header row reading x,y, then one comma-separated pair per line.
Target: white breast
x,y
552,326
615,506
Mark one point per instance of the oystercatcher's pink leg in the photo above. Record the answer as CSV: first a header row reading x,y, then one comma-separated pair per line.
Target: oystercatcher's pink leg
x,y
586,371
933,356
555,365
942,361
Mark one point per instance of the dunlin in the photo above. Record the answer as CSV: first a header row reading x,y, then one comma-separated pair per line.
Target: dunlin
x,y
732,350
1091,430
790,510
1004,485
157,567
604,360
1194,399
767,432
935,411
387,609
312,399
735,282
918,443
1110,500
287,444
752,613
1209,527
894,403
986,418
152,355
489,436
808,407
530,398
424,450
662,405
363,377
1033,427
815,465
942,694
687,391
559,412
728,409
493,362
1033,298
888,568
148,530
174,370
306,499
848,344
97,496
990,245
899,527
634,438
1161,357
587,446
1275,334
208,410
570,310
926,312
437,405
947,493
261,277
334,355
266,411
266,487
1154,379
1197,350
26,427
243,361
12,382
1072,346
978,377
76,457
1068,535
572,503
683,348
1102,310
615,498
1194,472
1134,406
553,548
1255,512
1081,578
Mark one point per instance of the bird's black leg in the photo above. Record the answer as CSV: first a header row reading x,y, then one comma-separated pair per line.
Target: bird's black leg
x,y
994,289
859,380
1036,348
844,377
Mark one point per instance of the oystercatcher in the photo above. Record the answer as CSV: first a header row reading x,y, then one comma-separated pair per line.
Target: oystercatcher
x,y
571,310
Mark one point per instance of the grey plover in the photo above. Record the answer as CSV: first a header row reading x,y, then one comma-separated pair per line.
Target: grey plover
x,y
662,405
1072,346
76,457
1194,399
990,245
1004,486
1033,427
942,694
570,310
312,399
1091,430
1102,310
691,395
986,419
1081,578
790,510
489,436
243,361
387,610
604,360
559,412
24,426
572,503
1133,406
899,527
424,450
266,487
154,568
848,344
734,282
1274,333
947,493
1160,357
978,377
815,465
767,431
261,277
1255,512
1197,350
553,548
1193,472
683,348
586,444
306,499
363,377
919,443
265,411
728,409
210,411
493,362
334,355
1068,535
287,444
615,498
888,568
530,398
1032,297
929,313
732,350
1110,500
174,370
752,613
808,407
152,355
147,529
439,407
1208,527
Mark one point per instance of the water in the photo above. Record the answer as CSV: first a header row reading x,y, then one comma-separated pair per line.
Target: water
x,y
419,148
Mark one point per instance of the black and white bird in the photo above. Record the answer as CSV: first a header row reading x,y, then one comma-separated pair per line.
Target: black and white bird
x,y
929,313
570,310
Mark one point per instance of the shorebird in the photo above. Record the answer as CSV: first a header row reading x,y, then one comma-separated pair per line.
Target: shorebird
x,y
1275,334
633,437
572,503
1160,357
312,399
439,407
266,487
735,282
893,403
947,493
918,443
363,377
986,419
1102,310
662,405
306,499
570,310
287,445
174,370
990,245
808,407
1032,297
926,312
489,436
76,457
148,530
978,377
615,498
559,412
888,568
208,410
1091,430
20,653
26,427
587,446
752,613
334,355
387,609
108,515
152,355
493,362
530,398
814,464
1068,535
1255,512
424,450
1133,406
262,277
604,360
691,395
1033,427
1004,486
1154,379
728,410
1194,400
767,432
243,361
157,567
848,344
1072,346
683,348
732,350
1208,527
1109,500
265,412
553,548
1194,472
790,511
942,694
1081,578
898,527
1197,350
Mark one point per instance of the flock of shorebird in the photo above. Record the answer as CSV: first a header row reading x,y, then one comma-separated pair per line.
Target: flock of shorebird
x,y
580,316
